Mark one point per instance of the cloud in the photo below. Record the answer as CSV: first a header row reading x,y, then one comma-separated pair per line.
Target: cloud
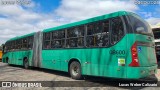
x,y
77,10
16,20
147,14
153,21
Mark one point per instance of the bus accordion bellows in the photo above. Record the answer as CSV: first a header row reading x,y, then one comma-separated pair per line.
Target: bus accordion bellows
x,y
118,45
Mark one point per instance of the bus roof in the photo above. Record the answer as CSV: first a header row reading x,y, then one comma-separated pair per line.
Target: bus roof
x,y
19,37
106,16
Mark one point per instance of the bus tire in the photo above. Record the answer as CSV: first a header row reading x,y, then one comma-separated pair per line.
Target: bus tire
x,y
25,63
7,61
75,70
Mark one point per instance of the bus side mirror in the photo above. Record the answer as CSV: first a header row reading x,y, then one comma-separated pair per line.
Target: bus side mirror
x,y
140,29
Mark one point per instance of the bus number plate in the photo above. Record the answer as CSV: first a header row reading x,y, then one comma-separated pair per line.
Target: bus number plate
x,y
121,52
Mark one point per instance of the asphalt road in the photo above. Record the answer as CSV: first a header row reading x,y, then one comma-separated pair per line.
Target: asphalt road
x,y
18,73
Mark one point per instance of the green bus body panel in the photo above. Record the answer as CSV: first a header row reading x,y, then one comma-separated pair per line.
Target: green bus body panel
x,y
147,54
145,64
100,61
17,57
111,15
136,72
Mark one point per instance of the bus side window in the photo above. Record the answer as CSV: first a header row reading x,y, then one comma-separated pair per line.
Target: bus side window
x,y
90,37
19,42
8,44
46,40
75,37
105,32
47,44
117,31
24,43
58,39
98,34
16,46
94,36
11,46
30,42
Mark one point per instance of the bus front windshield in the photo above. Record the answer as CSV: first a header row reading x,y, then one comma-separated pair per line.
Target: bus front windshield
x,y
140,26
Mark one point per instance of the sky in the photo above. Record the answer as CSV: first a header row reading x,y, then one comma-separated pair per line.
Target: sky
x,y
19,17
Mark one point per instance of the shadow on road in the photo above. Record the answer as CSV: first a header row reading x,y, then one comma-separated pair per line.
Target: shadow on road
x,y
65,74
61,73
90,81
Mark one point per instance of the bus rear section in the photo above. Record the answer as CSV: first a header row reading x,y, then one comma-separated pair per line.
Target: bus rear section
x,y
142,60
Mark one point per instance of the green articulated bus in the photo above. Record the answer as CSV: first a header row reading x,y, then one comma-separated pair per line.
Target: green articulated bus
x,y
118,45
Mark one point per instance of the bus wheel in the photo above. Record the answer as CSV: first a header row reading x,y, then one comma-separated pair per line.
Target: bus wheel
x,y
75,70
7,61
26,63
